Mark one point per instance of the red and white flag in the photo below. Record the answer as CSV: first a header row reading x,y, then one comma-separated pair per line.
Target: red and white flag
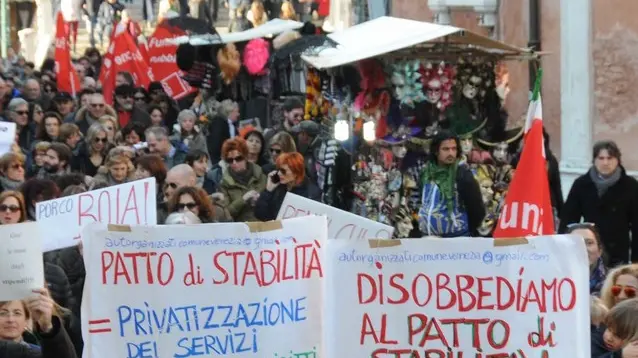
x,y
161,54
528,208
66,77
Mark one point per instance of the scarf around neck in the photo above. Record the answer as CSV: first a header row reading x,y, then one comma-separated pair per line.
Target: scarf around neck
x,y
8,184
444,176
242,178
604,183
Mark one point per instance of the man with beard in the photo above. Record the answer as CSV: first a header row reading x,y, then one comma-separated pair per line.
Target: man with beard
x,y
56,162
293,114
126,109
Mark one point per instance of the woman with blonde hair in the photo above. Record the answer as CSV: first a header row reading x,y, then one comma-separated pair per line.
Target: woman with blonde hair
x,y
118,170
257,14
12,171
621,284
280,143
288,11
94,151
110,124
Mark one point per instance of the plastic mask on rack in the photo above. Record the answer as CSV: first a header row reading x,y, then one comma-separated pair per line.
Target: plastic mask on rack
x,y
434,91
471,87
467,145
500,152
486,189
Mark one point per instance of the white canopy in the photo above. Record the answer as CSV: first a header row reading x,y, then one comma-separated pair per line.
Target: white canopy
x,y
386,34
271,28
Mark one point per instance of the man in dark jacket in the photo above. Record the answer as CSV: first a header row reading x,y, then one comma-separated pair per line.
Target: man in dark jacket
x,y
607,197
125,107
452,201
58,285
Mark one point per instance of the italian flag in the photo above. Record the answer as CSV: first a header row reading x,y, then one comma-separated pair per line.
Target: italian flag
x,y
527,210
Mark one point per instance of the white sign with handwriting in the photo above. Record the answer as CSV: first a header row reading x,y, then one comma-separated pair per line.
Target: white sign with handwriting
x,y
21,265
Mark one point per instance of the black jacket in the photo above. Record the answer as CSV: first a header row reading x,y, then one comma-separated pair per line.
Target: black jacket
x,y
470,198
58,285
72,264
615,214
598,348
218,132
55,344
269,203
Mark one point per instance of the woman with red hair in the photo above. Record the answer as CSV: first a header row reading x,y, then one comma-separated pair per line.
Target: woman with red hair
x,y
290,176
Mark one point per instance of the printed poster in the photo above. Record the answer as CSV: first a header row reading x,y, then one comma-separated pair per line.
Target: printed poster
x,y
211,290
452,298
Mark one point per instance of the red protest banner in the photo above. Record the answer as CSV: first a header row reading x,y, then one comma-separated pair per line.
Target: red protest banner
x,y
67,78
124,55
161,52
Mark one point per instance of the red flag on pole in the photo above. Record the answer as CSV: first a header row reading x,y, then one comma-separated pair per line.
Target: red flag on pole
x,y
123,55
66,77
528,207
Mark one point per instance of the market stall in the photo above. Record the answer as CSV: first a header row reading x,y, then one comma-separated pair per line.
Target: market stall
x,y
388,87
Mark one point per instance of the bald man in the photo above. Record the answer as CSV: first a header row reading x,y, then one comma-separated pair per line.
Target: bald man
x,y
177,177
32,90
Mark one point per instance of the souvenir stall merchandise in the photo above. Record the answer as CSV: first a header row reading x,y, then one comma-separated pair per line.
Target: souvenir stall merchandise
x,y
394,106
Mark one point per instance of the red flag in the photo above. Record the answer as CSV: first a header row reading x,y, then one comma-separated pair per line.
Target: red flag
x,y
66,77
123,55
161,54
528,207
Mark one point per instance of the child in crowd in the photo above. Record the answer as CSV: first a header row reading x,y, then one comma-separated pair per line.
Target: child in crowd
x,y
620,339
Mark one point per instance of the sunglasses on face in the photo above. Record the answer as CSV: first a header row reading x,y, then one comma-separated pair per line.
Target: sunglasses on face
x,y
17,166
275,151
630,292
22,113
235,160
140,98
98,140
125,96
170,185
11,208
189,206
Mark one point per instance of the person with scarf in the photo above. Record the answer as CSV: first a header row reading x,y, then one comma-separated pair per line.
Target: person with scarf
x,y
597,268
242,182
11,171
607,197
452,204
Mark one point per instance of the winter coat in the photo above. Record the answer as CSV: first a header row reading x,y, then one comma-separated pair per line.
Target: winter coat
x,y
233,192
615,215
82,121
269,202
195,141
178,157
55,344
72,264
58,285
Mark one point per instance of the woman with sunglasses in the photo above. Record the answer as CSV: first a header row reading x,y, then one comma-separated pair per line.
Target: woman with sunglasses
x,y
195,200
12,171
281,142
290,176
242,181
94,151
597,269
12,208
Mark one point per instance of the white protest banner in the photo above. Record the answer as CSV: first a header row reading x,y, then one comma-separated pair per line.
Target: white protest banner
x,y
21,265
341,224
237,289
7,136
133,203
462,297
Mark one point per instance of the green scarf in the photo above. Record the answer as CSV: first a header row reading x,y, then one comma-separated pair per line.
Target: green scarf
x,y
444,176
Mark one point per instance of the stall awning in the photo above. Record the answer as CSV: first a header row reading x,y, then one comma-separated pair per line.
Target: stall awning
x,y
273,27
385,35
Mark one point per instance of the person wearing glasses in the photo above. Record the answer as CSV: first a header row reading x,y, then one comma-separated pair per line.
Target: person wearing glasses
x,y
64,104
12,208
11,171
597,268
127,110
95,109
18,112
93,150
195,200
293,112
290,176
607,197
242,182
280,143
178,176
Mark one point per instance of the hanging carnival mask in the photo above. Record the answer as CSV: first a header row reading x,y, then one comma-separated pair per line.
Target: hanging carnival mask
x,y
475,77
406,79
437,81
471,87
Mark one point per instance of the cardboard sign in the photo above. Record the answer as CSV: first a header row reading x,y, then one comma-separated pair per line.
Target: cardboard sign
x,y
457,297
21,264
210,290
63,218
341,224
7,136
